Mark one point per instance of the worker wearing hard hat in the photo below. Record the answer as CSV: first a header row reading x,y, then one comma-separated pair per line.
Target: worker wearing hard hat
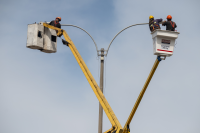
x,y
154,24
56,22
170,25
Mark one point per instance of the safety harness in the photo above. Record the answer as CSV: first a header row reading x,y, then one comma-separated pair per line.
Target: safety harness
x,y
155,25
173,24
55,23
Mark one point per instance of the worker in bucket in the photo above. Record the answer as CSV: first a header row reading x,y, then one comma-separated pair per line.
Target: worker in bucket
x,y
56,22
154,23
170,25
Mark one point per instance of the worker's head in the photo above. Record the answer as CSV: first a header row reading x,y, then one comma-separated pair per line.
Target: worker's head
x,y
58,19
169,17
151,17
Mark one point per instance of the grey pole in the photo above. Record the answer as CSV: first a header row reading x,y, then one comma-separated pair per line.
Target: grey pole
x,y
100,128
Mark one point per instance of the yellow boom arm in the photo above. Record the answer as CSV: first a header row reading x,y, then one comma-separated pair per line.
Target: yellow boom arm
x,y
141,94
104,103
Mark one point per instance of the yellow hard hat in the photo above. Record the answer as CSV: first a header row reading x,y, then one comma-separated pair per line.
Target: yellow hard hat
x,y
150,17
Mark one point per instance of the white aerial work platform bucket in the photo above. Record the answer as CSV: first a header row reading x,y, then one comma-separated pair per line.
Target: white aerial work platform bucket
x,y
42,38
50,41
163,42
35,36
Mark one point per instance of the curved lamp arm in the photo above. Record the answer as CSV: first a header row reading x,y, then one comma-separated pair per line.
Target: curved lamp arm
x,y
120,32
83,30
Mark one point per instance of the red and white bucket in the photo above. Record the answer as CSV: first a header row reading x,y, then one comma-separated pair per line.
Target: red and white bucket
x,y
163,42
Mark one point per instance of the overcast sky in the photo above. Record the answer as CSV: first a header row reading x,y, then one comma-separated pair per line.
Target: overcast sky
x,y
48,93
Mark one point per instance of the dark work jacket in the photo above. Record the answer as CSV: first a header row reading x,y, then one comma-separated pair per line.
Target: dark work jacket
x,y
168,25
155,24
53,23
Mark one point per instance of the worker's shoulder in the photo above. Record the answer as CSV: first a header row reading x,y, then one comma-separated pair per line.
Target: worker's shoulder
x,y
167,22
173,22
157,20
51,22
